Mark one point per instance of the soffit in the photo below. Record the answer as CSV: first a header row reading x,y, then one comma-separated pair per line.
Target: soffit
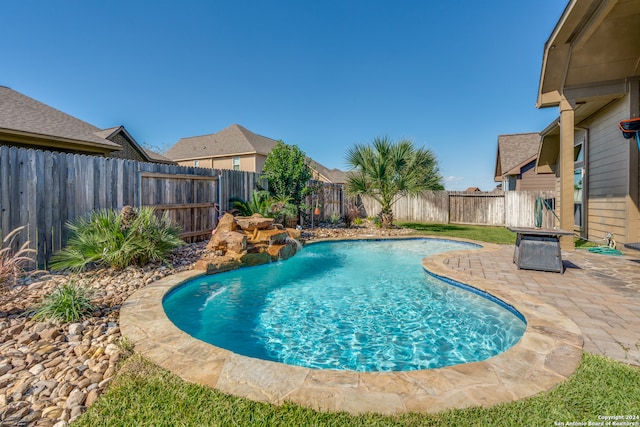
x,y
549,149
595,42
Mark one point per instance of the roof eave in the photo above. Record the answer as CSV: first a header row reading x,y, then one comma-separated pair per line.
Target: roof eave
x,y
39,140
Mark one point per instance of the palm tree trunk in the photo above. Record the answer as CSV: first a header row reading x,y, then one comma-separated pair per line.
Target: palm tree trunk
x,y
386,218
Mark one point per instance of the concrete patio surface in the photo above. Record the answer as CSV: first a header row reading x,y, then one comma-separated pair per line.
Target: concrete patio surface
x,y
596,297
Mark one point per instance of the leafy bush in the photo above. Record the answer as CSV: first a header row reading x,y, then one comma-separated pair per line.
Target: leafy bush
x,y
259,204
12,263
287,171
68,303
278,207
102,238
281,208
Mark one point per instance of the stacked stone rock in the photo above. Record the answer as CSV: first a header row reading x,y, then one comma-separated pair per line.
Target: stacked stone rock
x,y
247,241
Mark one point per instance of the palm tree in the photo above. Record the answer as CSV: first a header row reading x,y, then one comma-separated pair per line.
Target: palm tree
x,y
388,170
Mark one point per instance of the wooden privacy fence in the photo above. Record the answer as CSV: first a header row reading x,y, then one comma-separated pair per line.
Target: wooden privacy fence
x,y
330,200
511,208
188,200
43,190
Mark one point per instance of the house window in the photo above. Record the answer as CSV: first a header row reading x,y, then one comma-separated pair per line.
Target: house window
x,y
196,163
236,163
578,186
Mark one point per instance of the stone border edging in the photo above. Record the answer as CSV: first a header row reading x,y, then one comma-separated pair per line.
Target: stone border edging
x,y
547,354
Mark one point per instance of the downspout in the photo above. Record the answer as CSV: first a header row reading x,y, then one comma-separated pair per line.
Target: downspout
x,y
585,182
218,211
567,144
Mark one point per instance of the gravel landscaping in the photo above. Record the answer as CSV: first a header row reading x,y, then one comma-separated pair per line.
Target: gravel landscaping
x,y
49,373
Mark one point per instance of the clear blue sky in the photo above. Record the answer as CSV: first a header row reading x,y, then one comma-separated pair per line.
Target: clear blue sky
x,y
324,75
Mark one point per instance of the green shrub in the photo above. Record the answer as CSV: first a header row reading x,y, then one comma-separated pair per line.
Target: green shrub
x,y
259,204
278,207
68,303
334,218
102,238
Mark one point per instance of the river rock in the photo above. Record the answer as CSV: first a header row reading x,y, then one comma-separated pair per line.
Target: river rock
x,y
27,338
52,412
75,329
50,333
37,369
76,398
91,397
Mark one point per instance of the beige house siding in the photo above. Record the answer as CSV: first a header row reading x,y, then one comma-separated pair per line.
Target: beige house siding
x,y
608,172
223,163
248,163
260,161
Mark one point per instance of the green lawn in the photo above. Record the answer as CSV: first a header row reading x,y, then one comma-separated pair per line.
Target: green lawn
x,y
474,232
481,233
146,395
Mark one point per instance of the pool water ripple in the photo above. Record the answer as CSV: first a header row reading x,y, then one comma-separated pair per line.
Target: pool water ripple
x,y
349,305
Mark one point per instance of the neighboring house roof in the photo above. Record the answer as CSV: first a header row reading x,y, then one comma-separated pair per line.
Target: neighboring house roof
x,y
335,176
145,153
27,121
235,140
514,152
157,157
232,140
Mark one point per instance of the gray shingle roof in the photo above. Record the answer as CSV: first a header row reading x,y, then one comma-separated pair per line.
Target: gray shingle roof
x,y
515,149
336,176
144,152
20,113
157,157
234,139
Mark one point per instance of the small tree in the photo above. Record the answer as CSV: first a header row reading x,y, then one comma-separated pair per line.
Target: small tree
x,y
387,170
287,170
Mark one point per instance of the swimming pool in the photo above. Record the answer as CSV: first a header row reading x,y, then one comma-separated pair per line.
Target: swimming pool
x,y
348,305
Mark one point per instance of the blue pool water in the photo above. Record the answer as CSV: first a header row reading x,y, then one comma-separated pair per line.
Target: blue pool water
x,y
348,305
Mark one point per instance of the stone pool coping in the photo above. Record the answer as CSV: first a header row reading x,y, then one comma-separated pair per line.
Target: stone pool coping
x,y
547,354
